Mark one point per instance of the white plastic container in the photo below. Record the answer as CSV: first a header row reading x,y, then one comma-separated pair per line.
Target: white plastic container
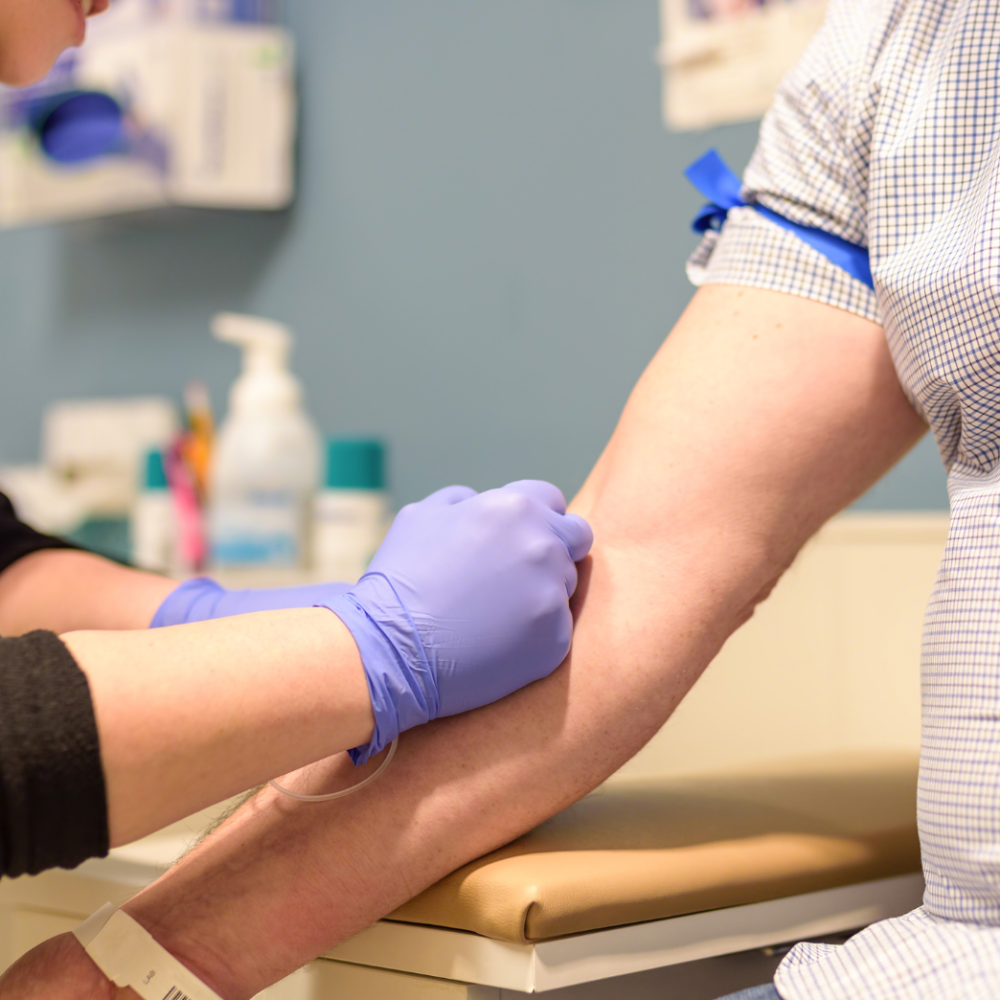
x,y
265,468
153,525
351,514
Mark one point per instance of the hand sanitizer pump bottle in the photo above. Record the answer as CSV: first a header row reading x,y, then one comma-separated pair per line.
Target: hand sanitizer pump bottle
x,y
265,468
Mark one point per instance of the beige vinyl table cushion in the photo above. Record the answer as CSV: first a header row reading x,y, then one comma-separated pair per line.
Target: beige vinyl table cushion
x,y
654,849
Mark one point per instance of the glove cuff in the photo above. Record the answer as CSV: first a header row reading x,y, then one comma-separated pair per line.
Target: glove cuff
x,y
193,601
400,681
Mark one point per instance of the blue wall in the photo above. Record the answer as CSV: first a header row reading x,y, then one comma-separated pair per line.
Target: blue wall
x,y
487,248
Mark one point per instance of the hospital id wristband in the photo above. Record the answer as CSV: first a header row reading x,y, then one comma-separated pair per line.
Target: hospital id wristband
x,y
129,956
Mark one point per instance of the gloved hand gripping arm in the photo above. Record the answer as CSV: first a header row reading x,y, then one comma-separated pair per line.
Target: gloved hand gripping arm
x,y
466,600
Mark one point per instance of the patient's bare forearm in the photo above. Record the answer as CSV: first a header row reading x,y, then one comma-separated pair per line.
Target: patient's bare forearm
x,y
745,434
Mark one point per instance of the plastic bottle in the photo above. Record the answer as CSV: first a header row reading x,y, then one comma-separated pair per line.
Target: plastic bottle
x,y
153,526
351,510
265,467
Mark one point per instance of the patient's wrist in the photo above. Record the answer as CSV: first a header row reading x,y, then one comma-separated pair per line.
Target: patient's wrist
x,y
130,956
252,903
214,911
197,942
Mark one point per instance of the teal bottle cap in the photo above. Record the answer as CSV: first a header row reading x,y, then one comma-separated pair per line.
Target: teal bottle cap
x,y
155,474
355,464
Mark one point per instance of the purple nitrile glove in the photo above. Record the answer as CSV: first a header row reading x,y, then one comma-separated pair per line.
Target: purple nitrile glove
x,y
201,599
466,600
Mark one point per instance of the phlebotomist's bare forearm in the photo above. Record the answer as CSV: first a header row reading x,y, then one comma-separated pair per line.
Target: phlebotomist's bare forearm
x,y
62,590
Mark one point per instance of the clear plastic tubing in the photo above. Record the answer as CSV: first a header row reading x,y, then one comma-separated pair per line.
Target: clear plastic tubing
x,y
344,791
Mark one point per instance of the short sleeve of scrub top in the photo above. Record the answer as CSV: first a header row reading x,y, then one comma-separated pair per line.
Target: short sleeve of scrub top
x,y
807,169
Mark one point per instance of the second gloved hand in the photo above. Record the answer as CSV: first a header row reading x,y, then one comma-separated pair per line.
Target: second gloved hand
x,y
202,599
466,600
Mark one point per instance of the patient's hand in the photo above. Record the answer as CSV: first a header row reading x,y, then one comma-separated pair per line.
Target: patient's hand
x,y
59,969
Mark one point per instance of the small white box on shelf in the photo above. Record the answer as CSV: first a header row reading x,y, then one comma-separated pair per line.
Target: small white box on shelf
x,y
170,102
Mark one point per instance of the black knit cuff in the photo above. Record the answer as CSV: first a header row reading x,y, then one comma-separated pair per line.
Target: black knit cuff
x,y
53,804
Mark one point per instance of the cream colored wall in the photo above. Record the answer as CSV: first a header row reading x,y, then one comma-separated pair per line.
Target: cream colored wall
x,y
830,662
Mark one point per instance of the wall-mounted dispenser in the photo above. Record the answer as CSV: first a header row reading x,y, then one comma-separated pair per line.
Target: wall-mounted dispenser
x,y
169,102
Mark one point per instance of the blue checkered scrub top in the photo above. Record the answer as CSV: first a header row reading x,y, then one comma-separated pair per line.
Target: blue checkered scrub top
x,y
886,133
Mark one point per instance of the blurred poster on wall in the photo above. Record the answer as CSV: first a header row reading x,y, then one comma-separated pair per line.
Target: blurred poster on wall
x,y
723,59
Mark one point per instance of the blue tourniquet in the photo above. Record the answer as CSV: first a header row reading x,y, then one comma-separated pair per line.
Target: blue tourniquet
x,y
721,187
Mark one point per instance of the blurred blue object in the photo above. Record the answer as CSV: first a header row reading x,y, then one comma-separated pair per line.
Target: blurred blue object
x,y
82,125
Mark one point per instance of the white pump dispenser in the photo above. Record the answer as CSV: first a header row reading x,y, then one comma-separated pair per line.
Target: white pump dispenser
x,y
265,468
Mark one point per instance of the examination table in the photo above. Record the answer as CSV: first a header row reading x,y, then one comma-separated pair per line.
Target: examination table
x,y
674,888
664,885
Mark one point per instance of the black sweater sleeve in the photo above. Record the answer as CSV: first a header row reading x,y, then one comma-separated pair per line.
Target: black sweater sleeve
x,y
53,805
17,539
